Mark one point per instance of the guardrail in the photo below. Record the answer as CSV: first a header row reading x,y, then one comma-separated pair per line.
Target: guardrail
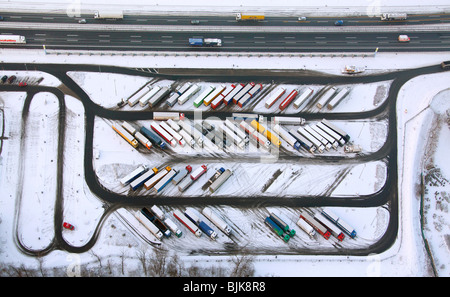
x,y
256,29
203,54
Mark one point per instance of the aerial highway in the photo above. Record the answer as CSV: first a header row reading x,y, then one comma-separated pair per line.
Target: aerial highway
x,y
276,34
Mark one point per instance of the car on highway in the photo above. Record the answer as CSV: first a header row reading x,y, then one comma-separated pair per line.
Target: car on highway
x,y
1,18
68,226
195,22
403,38
339,23
22,84
445,65
302,18
82,21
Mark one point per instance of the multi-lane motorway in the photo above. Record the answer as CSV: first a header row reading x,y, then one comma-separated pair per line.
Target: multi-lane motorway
x,y
275,34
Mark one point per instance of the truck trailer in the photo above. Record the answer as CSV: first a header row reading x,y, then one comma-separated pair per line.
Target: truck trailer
x,y
325,97
156,178
269,222
201,224
274,97
148,224
336,129
304,142
125,135
282,224
393,16
334,230
306,93
173,227
164,181
339,222
306,227
210,42
157,222
242,16
269,135
316,225
286,136
143,101
285,103
330,132
108,15
220,180
199,100
188,94
161,132
187,223
154,138
12,39
138,182
229,97
173,133
126,180
216,220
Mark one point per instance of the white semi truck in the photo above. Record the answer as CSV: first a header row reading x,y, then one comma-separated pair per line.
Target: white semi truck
x,y
108,15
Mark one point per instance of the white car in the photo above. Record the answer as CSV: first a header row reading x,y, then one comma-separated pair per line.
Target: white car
x,y
302,18
403,38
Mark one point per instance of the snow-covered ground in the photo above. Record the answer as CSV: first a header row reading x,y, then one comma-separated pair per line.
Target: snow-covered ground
x,y
27,208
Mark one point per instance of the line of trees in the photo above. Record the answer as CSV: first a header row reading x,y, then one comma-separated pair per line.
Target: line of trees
x,y
152,263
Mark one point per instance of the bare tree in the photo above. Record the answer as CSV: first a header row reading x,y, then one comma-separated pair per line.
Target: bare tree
x,y
122,260
175,267
142,256
158,262
243,266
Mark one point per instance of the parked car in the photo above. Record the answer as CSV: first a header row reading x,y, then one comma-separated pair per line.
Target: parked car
x,y
339,23
4,78
68,226
11,79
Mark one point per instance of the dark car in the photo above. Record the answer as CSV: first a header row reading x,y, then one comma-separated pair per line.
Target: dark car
x,y
1,18
4,78
11,79
445,65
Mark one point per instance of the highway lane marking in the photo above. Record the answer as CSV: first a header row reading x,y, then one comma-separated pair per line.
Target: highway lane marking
x,y
103,35
166,36
40,34
72,35
135,36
